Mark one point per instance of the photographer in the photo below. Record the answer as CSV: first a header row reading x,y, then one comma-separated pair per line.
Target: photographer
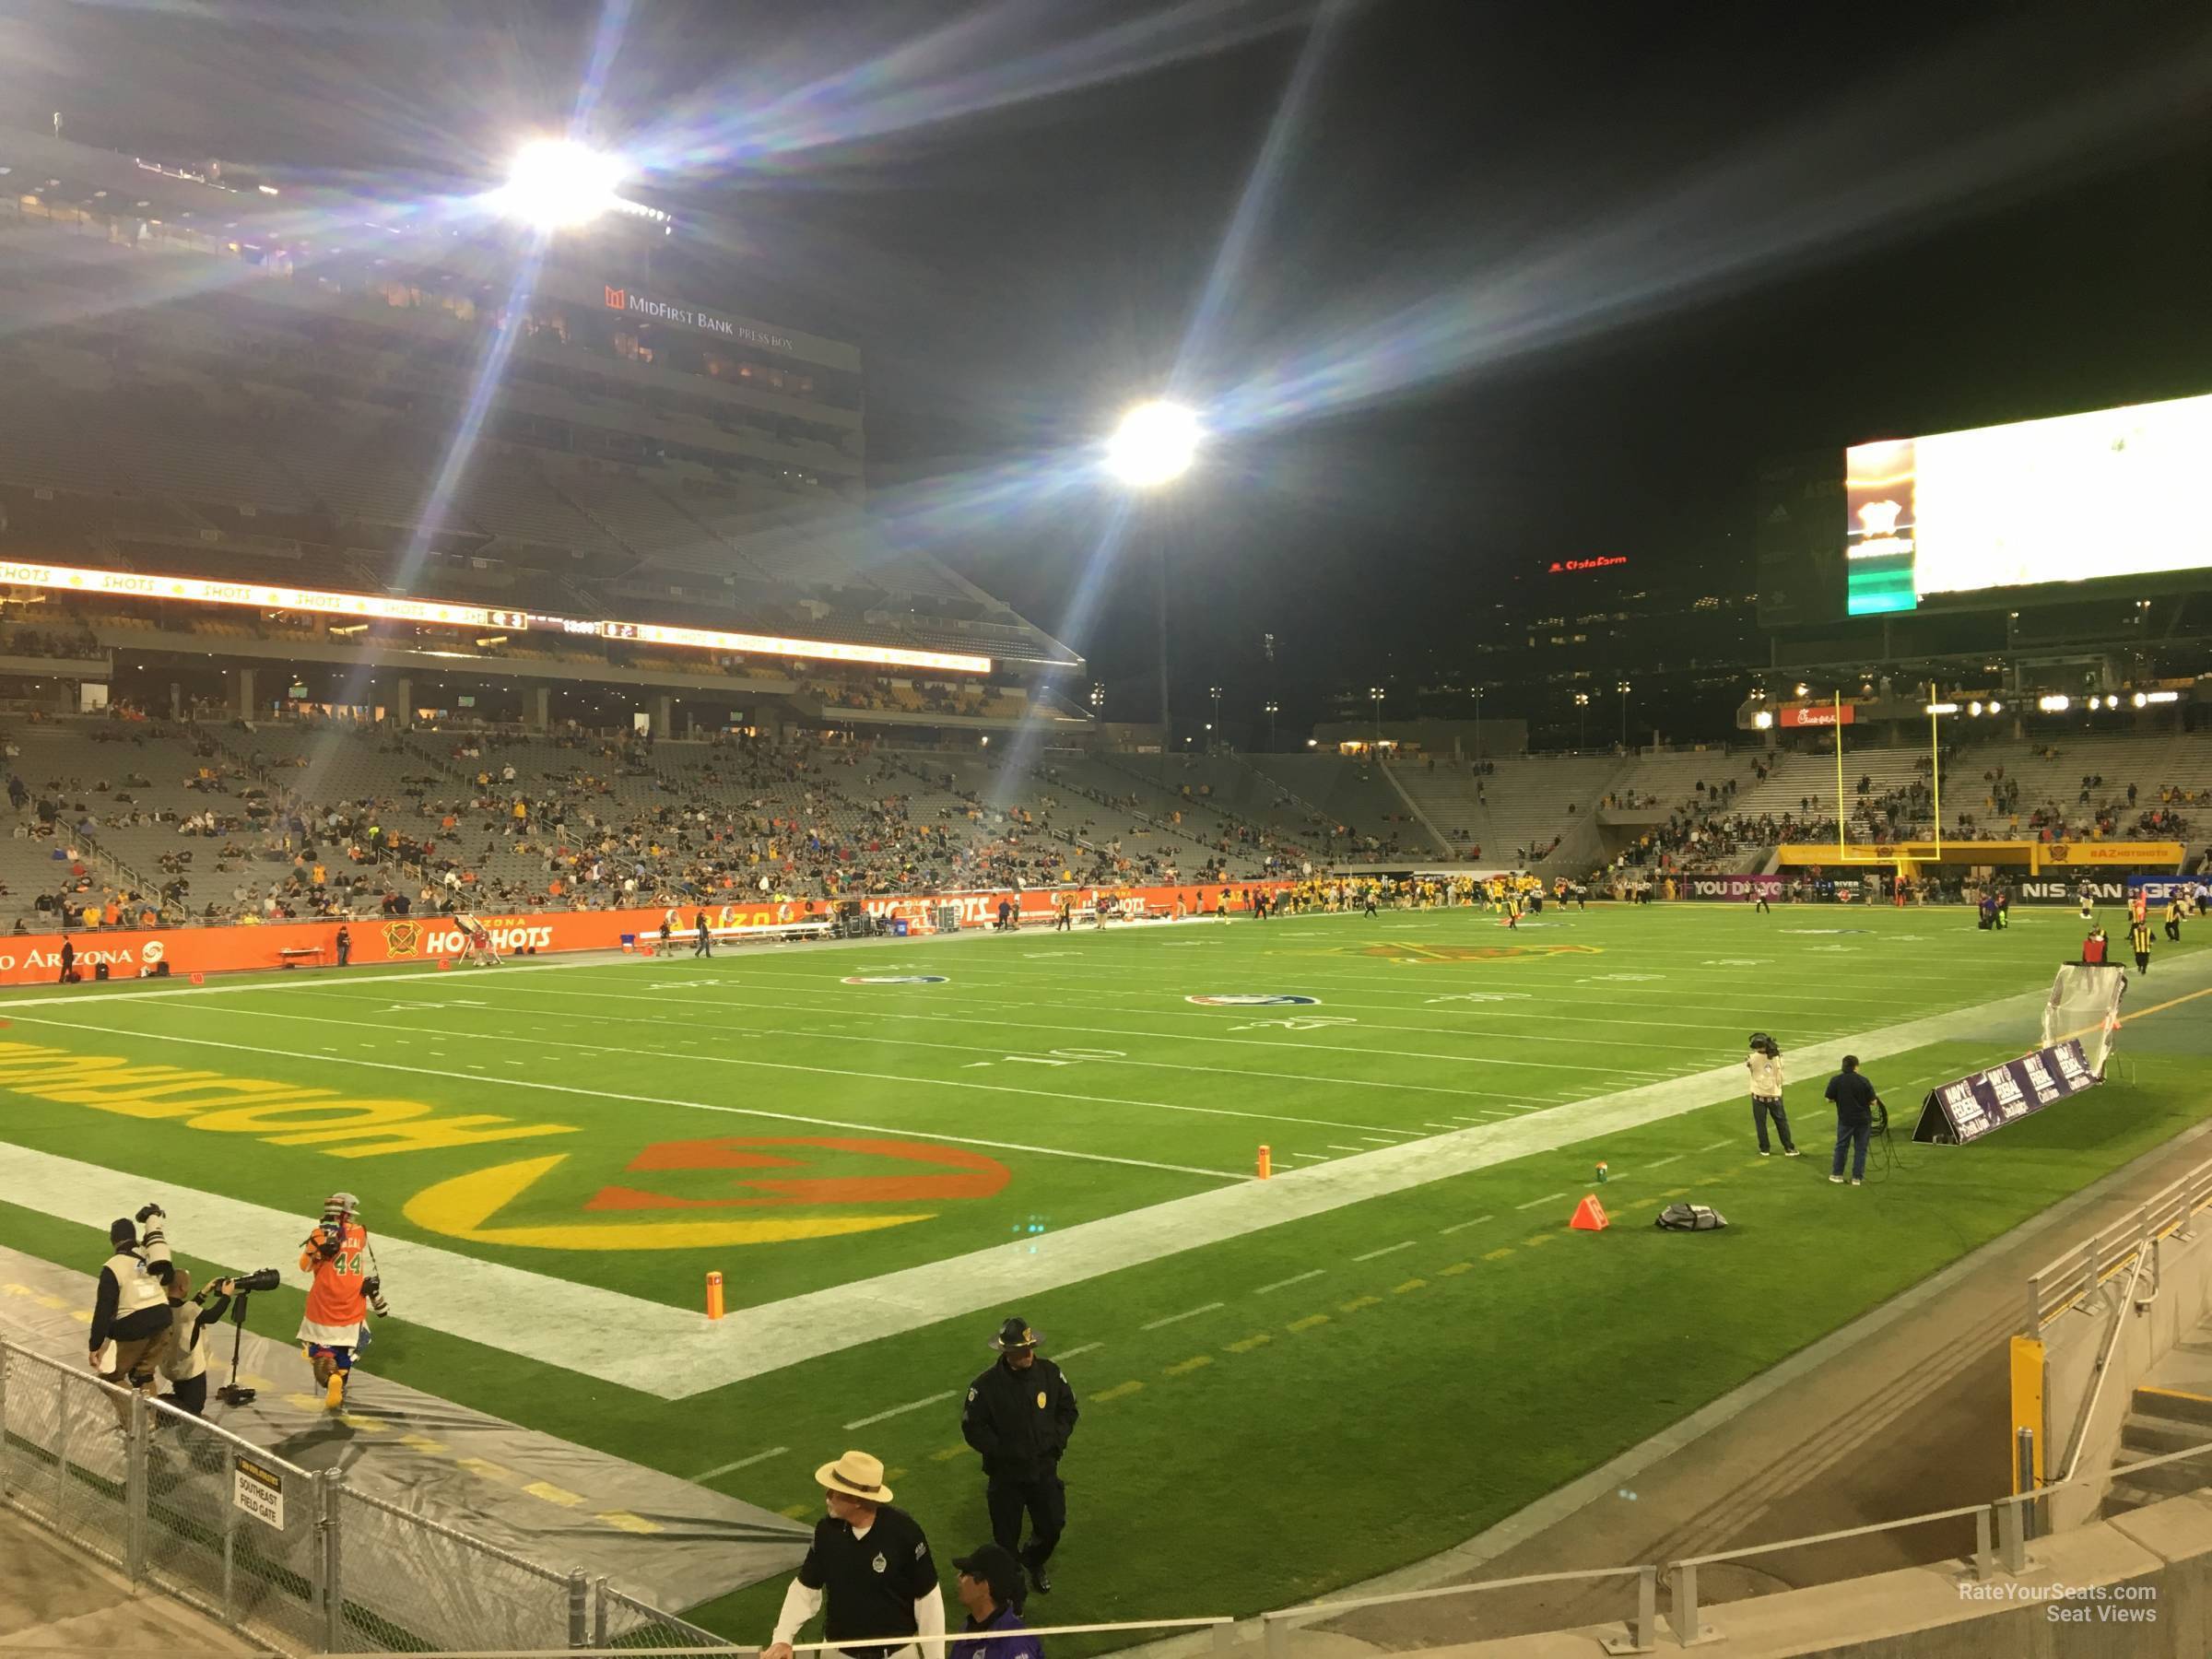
x,y
130,1310
185,1360
1764,1064
1855,1103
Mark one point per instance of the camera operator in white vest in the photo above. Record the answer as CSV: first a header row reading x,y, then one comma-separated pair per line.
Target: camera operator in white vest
x,y
130,1312
1764,1064
185,1360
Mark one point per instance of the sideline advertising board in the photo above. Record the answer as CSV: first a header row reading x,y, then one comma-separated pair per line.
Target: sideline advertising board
x,y
1956,1113
137,953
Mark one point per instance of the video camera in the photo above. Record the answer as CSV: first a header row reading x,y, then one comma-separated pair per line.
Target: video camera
x,y
1763,1045
262,1278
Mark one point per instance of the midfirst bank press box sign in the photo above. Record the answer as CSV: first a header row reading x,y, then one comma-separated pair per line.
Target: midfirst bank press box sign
x,y
1983,1104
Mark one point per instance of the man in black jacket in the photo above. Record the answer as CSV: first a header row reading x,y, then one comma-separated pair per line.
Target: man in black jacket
x,y
1019,1415
130,1311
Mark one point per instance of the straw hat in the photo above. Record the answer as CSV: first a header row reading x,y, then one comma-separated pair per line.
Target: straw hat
x,y
857,1476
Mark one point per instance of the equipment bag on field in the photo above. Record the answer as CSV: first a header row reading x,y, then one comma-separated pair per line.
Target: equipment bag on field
x,y
1691,1218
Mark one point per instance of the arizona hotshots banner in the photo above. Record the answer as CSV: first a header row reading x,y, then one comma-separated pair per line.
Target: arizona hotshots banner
x,y
36,958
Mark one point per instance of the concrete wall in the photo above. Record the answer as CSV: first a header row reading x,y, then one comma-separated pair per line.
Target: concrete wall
x,y
2138,1584
2182,1298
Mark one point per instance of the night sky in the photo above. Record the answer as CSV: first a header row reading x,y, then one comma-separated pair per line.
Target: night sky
x,y
1525,283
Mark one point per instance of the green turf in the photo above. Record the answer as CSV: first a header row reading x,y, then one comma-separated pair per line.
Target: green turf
x,y
1478,1379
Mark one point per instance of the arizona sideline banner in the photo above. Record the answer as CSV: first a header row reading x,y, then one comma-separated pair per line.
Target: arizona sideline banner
x,y
131,953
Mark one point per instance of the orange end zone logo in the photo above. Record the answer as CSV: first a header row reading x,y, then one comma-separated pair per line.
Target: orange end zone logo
x,y
639,1217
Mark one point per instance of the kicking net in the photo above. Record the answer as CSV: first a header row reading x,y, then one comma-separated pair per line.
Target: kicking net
x,y
2085,1002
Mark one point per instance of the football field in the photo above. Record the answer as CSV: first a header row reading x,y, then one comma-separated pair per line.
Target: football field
x,y
886,1149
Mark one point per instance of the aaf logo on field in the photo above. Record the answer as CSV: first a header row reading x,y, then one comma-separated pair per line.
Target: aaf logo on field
x,y
895,979
837,1181
1225,1001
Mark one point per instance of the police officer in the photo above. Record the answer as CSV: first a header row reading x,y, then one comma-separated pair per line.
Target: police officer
x,y
1019,1415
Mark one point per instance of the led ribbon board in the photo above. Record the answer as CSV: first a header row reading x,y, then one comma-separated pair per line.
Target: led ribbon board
x,y
191,590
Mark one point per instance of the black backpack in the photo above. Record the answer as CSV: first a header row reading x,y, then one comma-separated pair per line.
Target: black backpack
x,y
1691,1218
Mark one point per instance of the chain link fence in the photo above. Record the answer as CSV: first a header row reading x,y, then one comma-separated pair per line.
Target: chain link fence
x,y
293,1559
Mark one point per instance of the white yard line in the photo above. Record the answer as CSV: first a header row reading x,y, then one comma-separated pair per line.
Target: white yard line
x,y
1176,1318
1536,1202
1387,1249
1462,1226
1661,1163
1295,1279
995,1050
1077,1352
743,1463
752,1111
901,1410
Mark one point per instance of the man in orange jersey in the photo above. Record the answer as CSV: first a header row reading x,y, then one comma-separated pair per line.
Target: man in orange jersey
x,y
344,1288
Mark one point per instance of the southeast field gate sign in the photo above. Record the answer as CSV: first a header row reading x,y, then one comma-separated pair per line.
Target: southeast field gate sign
x,y
260,1493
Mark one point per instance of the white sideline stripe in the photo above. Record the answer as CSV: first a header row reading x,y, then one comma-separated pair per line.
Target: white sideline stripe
x,y
1295,1279
1178,1318
1339,1147
1547,1198
901,1410
755,1341
604,1094
1714,1147
1387,1249
1380,1140
743,1463
1462,1226
1075,1352
1661,1163
606,1333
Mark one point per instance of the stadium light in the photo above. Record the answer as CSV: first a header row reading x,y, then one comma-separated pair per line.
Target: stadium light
x,y
1155,444
2054,704
1996,707
2162,697
2140,700
1943,707
557,184
1763,719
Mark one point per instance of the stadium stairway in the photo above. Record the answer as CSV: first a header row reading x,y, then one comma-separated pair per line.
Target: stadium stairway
x,y
2171,1411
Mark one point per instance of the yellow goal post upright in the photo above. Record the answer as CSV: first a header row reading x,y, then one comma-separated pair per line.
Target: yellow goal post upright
x,y
1901,864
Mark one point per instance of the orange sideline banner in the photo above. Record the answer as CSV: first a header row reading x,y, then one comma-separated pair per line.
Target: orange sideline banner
x,y
134,953
2037,855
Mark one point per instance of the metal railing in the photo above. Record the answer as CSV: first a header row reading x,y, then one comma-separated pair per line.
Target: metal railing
x,y
293,1559
2074,1276
1277,1625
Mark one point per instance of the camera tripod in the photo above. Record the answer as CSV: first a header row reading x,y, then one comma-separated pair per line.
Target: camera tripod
x,y
231,1393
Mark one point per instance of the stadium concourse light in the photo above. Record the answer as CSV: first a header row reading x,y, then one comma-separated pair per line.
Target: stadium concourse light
x,y
1155,444
557,184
